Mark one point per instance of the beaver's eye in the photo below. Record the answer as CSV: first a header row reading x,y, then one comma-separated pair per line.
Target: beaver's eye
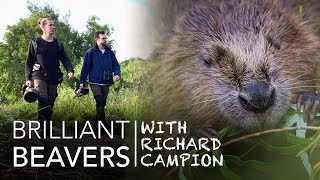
x,y
215,58
207,62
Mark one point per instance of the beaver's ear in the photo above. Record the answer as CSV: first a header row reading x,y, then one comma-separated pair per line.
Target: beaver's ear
x,y
274,42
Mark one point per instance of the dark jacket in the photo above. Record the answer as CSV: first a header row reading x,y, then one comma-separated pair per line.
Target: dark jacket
x,y
48,56
97,67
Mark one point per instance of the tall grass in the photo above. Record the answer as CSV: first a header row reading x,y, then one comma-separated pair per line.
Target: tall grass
x,y
126,104
127,100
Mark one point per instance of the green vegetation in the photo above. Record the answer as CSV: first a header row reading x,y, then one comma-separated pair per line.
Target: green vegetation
x,y
291,151
131,99
13,52
127,99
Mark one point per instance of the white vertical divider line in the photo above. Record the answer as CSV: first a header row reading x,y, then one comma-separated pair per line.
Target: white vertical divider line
x,y
135,143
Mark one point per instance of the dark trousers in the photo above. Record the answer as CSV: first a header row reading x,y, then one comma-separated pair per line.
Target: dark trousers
x,y
47,94
100,94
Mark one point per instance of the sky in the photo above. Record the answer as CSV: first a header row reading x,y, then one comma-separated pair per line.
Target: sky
x,y
127,17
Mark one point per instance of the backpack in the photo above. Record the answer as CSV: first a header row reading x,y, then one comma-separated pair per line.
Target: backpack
x,y
35,45
92,54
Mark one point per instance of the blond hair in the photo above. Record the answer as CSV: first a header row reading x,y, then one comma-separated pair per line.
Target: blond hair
x,y
43,21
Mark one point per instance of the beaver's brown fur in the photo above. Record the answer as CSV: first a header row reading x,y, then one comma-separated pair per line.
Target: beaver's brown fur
x,y
235,63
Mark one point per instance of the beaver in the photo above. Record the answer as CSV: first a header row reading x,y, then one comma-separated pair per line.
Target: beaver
x,y
236,63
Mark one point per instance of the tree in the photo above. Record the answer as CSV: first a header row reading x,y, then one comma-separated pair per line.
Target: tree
x,y
13,52
92,27
134,72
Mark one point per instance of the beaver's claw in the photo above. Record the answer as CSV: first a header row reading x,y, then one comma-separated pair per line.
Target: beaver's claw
x,y
310,103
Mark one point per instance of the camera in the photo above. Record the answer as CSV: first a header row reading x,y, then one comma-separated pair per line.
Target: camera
x,y
107,75
29,94
80,91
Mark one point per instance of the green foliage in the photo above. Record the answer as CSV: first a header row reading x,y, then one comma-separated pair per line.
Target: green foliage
x,y
92,27
126,100
135,74
17,110
304,144
185,172
13,52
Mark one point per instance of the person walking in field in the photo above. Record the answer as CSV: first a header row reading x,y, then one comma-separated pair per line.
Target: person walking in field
x,y
102,67
42,66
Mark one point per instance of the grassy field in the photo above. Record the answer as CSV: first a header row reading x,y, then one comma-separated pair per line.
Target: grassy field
x,y
128,99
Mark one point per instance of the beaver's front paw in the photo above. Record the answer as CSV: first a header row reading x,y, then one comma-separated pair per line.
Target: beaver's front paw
x,y
310,102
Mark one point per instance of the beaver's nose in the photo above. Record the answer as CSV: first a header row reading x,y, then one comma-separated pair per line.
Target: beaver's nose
x,y
257,97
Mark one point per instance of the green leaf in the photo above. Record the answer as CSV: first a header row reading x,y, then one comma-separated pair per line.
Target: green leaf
x,y
228,174
257,165
316,171
289,150
187,169
224,132
315,136
301,13
181,174
229,132
306,163
301,141
225,172
301,134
